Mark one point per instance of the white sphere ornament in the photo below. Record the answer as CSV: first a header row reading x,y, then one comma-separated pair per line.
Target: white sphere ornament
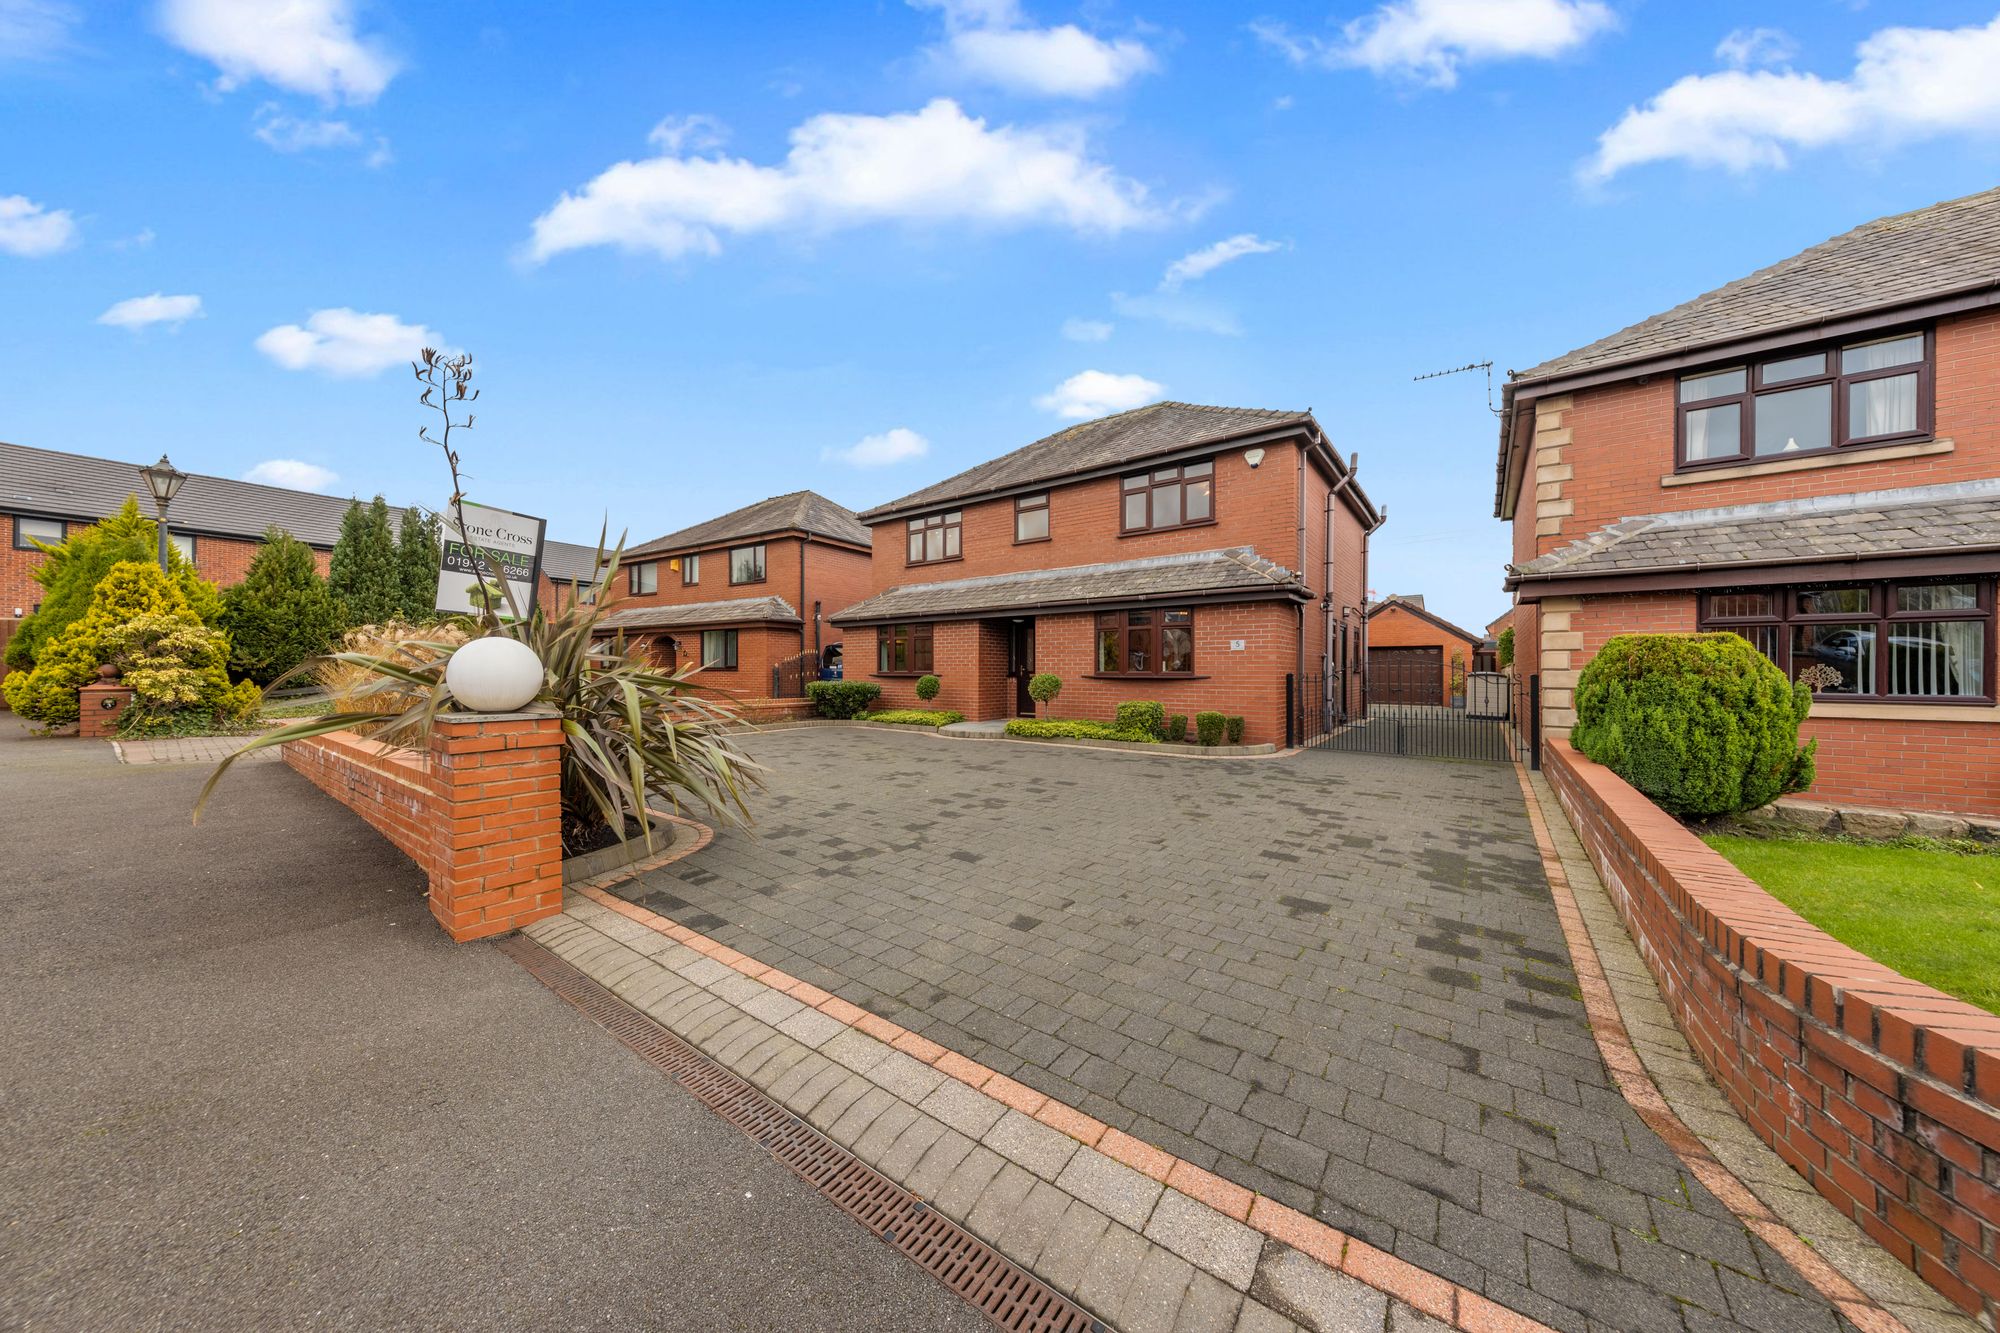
x,y
494,675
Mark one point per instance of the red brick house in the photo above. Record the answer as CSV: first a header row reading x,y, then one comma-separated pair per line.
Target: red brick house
x,y
218,523
1809,457
1412,653
746,591
1193,555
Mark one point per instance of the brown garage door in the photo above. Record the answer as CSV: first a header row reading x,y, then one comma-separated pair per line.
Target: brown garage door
x,y
1406,675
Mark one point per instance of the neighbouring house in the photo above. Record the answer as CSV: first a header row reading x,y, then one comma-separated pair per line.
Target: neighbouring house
x,y
747,593
1490,648
1416,656
1808,457
217,523
1192,555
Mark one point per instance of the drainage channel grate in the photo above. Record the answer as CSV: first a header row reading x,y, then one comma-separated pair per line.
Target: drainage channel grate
x,y
1007,1294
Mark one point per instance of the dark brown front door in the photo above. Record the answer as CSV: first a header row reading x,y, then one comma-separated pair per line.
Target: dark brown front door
x,y
1021,664
1406,676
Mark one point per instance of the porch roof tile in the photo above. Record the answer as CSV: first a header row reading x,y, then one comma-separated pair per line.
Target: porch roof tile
x,y
737,611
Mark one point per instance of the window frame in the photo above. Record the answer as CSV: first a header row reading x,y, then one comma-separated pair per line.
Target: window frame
x,y
1037,503
1841,381
763,565
691,570
1881,616
730,645
912,633
192,553
1121,622
636,576
21,543
1153,480
949,522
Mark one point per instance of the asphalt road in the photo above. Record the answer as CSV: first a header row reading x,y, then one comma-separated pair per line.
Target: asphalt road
x,y
246,1083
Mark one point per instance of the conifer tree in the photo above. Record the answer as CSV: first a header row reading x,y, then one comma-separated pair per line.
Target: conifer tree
x,y
363,574
417,564
282,613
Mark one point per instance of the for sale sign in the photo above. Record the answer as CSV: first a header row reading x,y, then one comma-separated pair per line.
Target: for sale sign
x,y
497,544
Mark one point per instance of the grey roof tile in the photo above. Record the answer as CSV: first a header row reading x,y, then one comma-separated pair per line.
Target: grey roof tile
x,y
737,611
1198,573
1931,252
1124,437
1957,516
805,511
77,486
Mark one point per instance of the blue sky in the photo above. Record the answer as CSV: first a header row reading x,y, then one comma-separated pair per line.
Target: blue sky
x,y
859,247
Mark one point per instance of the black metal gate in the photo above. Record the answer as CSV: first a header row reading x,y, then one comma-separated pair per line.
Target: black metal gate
x,y
789,677
1436,713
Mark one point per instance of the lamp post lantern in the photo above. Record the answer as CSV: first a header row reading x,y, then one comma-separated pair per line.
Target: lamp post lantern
x,y
163,479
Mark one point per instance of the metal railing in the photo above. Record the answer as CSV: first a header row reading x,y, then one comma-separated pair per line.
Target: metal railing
x,y
1418,710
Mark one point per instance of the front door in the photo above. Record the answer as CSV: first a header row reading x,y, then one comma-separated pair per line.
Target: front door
x,y
1021,664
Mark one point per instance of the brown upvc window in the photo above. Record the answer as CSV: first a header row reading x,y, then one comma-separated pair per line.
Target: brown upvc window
x,y
690,570
1145,643
644,580
746,564
935,538
718,650
1031,518
1910,642
903,650
1168,497
1807,401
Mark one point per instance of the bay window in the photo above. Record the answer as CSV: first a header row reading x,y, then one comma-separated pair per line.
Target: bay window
x,y
1145,643
1858,393
1923,642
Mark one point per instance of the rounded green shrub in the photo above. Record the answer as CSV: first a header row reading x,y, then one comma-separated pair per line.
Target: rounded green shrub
x,y
928,687
1044,686
1145,715
1177,728
1703,724
1208,728
1233,728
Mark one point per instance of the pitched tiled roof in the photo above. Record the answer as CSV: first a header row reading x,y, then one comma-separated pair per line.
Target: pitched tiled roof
x,y
1414,604
1200,573
805,511
1125,437
1956,518
77,486
1932,252
739,611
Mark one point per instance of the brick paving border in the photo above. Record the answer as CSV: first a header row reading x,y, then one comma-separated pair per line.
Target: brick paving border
x,y
1629,1072
1452,1305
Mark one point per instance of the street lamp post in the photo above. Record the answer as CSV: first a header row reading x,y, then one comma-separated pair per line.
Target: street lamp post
x,y
163,479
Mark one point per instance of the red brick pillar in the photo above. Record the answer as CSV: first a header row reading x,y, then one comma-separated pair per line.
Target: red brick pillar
x,y
99,707
497,843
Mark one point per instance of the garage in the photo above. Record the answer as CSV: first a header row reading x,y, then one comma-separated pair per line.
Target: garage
x,y
1406,676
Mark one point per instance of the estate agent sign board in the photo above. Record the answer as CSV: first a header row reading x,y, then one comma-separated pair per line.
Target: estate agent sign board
x,y
511,545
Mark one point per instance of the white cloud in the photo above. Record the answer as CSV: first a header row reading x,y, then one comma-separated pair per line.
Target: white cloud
x,y
141,239
292,474
307,46
891,446
36,29
346,342
30,230
1907,84
140,312
990,42
1428,40
1212,257
1086,330
933,165
294,134
1096,393
1177,310
696,134
1756,46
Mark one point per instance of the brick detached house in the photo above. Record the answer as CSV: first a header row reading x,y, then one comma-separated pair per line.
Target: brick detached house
x,y
1410,653
1174,552
217,523
741,593
1808,457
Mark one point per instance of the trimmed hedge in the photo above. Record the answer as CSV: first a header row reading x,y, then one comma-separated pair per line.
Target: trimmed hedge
x,y
915,717
1142,715
1233,727
1208,728
1052,729
1177,728
842,698
1703,724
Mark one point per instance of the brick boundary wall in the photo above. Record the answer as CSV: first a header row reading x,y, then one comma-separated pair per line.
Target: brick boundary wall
x,y
1882,1092
480,812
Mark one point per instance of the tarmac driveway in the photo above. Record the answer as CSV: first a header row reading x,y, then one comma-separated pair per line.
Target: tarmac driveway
x,y
1335,979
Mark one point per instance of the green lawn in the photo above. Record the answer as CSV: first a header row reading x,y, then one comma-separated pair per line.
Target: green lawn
x,y
1932,915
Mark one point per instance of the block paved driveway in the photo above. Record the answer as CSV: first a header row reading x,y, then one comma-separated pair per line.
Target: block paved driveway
x,y
1335,979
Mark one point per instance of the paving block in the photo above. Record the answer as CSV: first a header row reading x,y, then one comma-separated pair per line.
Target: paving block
x,y
1116,1190
1316,1296
1034,1145
1215,1243
966,1110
